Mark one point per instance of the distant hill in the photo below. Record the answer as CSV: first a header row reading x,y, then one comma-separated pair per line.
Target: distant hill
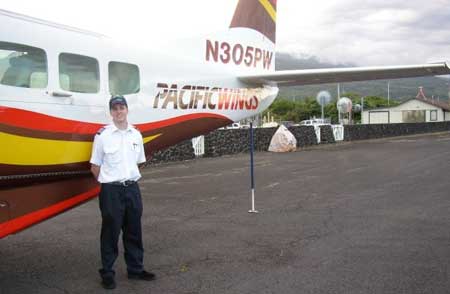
x,y
400,89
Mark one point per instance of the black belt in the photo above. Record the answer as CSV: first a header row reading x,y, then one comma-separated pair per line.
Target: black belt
x,y
123,184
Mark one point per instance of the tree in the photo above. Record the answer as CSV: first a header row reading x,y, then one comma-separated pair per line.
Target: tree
x,y
287,110
281,106
330,111
377,101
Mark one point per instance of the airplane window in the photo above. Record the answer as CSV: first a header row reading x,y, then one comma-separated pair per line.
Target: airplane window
x,y
22,66
123,78
78,73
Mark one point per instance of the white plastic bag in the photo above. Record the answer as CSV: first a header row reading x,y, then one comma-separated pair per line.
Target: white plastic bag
x,y
283,141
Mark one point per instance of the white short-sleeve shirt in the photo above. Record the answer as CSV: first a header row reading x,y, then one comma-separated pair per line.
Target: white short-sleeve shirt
x,y
118,153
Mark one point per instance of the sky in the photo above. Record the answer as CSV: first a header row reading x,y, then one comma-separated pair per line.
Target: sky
x,y
359,32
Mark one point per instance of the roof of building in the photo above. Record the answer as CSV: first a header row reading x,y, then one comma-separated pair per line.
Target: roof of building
x,y
423,98
444,105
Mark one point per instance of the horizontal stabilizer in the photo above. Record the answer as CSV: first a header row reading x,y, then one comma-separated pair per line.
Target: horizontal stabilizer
x,y
349,74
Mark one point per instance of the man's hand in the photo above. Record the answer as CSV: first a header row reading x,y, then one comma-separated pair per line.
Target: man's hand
x,y
95,170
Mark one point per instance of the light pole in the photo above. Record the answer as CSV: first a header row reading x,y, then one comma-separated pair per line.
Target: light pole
x,y
389,92
362,108
252,174
323,98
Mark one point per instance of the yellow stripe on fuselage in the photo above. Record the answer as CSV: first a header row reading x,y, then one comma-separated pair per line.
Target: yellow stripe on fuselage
x,y
148,139
19,150
269,8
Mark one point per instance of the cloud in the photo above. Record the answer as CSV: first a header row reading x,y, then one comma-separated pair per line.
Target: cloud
x,y
376,33
363,32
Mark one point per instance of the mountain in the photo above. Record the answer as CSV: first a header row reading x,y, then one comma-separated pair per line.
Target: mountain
x,y
400,89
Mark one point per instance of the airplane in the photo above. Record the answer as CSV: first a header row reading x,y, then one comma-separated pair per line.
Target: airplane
x,y
56,80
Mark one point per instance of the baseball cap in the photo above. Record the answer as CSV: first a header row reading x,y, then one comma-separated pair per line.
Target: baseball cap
x,y
118,99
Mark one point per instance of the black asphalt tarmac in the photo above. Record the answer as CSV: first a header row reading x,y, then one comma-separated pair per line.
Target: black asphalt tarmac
x,y
366,217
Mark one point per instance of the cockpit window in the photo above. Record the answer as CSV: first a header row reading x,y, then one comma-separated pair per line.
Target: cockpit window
x,y
78,73
123,78
22,66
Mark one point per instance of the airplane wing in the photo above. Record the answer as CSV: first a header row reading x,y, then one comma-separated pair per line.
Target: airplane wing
x,y
349,74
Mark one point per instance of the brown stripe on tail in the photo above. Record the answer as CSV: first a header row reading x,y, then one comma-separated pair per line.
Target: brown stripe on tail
x,y
259,15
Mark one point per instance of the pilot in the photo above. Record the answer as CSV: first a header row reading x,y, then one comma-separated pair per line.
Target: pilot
x,y
117,151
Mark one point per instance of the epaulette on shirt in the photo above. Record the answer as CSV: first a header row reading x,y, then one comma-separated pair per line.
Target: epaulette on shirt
x,y
100,131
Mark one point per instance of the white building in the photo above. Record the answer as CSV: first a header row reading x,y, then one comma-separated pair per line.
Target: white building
x,y
419,109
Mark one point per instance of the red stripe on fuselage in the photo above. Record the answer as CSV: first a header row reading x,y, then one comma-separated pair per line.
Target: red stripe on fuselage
x,y
29,219
42,122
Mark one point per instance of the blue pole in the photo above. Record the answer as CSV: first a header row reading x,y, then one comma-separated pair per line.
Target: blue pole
x,y
251,156
252,175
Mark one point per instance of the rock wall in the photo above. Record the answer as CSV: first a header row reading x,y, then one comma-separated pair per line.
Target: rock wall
x,y
326,135
305,135
374,131
179,152
232,141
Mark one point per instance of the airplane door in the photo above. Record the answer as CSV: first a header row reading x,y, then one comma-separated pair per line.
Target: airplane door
x,y
81,81
78,81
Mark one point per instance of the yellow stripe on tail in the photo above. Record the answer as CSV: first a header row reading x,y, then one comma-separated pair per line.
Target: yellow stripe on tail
x,y
269,8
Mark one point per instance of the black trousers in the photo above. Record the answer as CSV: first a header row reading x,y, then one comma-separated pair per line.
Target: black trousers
x,y
121,209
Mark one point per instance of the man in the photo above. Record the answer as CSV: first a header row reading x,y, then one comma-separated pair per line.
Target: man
x,y
117,151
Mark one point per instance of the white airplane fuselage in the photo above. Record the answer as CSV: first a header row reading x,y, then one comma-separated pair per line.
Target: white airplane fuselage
x,y
171,66
47,123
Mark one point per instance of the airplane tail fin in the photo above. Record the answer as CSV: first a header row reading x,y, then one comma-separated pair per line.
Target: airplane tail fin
x,y
259,15
249,44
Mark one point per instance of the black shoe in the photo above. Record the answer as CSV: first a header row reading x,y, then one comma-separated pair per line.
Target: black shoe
x,y
144,275
108,283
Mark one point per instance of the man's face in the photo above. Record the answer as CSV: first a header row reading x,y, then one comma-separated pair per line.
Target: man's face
x,y
119,113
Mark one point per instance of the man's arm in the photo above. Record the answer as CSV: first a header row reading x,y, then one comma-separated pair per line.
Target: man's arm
x,y
142,160
97,155
95,170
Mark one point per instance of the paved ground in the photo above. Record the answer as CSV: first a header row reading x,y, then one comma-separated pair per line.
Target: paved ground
x,y
367,217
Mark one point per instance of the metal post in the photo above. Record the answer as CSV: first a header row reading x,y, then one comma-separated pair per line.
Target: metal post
x,y
362,103
339,97
251,170
362,108
389,91
322,111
